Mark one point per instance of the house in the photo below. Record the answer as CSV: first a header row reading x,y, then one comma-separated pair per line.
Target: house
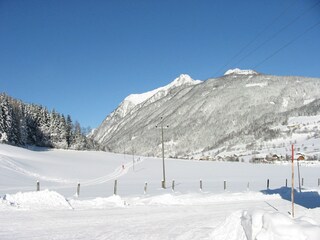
x,y
275,157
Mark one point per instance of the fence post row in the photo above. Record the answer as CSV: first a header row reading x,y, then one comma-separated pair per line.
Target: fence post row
x,y
115,190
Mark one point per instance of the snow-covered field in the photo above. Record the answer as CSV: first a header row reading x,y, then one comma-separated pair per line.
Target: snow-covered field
x,y
245,210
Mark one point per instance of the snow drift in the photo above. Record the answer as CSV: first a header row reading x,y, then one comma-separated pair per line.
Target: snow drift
x,y
266,225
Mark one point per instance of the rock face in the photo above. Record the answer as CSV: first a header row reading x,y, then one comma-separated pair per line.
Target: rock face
x,y
238,108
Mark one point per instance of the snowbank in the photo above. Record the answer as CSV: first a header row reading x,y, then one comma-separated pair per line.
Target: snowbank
x,y
98,203
52,200
265,225
36,200
200,198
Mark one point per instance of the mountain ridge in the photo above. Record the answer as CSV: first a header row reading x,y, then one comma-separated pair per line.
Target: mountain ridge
x,y
134,101
219,111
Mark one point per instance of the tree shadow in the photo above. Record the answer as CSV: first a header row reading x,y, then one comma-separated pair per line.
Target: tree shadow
x,y
38,149
307,199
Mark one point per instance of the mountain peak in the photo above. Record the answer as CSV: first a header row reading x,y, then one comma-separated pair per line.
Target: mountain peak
x,y
183,79
238,71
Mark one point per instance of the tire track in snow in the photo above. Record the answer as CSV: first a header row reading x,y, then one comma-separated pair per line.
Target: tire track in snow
x,y
118,172
10,164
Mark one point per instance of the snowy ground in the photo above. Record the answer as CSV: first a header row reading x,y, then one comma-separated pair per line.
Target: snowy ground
x,y
245,210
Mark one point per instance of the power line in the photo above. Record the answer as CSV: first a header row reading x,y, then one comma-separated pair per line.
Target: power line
x,y
278,32
256,37
287,44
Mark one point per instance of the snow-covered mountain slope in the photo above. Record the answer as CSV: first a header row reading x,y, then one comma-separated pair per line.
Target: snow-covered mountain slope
x,y
222,112
134,102
182,80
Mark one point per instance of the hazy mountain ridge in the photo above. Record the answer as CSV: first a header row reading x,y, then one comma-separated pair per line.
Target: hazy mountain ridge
x,y
223,111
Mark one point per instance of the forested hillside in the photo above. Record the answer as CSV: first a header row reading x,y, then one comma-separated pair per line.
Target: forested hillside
x,y
30,124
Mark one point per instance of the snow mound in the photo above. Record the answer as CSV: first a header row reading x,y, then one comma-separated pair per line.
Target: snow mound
x,y
200,198
264,225
240,72
36,200
230,229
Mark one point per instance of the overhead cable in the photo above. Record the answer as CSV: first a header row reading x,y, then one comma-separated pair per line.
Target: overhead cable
x,y
278,32
287,44
256,37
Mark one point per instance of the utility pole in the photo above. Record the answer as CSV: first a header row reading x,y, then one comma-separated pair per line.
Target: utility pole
x,y
124,152
132,158
162,143
301,157
292,180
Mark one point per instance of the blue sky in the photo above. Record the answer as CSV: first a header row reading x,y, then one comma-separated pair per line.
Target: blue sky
x,y
83,57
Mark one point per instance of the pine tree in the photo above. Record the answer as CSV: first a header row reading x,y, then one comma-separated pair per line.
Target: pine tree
x,y
63,132
3,130
7,119
69,131
79,142
23,125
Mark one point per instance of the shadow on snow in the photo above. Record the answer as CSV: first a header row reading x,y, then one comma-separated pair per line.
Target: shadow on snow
x,y
307,199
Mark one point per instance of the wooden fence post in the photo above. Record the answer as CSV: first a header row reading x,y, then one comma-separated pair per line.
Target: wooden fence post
x,y
302,181
286,182
145,187
268,184
115,187
172,186
200,185
38,186
224,185
248,186
78,190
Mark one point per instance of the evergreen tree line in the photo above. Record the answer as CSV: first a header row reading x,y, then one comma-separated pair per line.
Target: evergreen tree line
x,y
30,124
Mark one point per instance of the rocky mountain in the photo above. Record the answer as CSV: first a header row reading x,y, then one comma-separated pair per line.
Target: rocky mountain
x,y
135,102
241,107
